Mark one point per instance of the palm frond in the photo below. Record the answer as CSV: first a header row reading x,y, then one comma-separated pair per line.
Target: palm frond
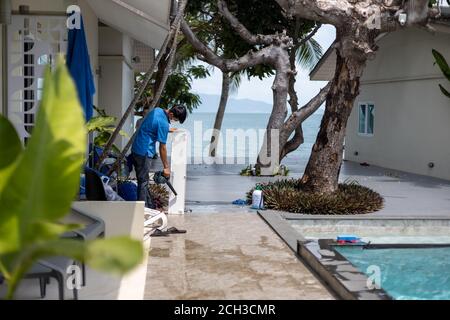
x,y
236,80
309,54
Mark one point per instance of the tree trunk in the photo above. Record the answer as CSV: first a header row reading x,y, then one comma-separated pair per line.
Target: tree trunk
x,y
220,114
322,172
297,139
268,158
162,66
293,144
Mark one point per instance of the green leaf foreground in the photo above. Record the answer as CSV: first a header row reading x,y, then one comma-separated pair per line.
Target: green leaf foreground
x,y
99,123
444,91
10,150
445,68
104,125
39,184
442,63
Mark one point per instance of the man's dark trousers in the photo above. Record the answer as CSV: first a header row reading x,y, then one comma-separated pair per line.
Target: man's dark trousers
x,y
142,166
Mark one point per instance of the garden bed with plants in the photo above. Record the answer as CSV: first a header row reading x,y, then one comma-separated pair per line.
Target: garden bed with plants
x,y
288,195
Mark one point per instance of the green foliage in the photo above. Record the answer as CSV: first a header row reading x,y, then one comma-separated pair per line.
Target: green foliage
x,y
256,171
39,183
250,171
445,68
259,17
309,54
351,198
103,126
10,148
435,2
177,90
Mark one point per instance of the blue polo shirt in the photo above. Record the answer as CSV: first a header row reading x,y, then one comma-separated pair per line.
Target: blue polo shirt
x,y
155,128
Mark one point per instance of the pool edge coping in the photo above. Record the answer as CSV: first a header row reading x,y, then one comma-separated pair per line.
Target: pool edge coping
x,y
311,252
349,282
295,216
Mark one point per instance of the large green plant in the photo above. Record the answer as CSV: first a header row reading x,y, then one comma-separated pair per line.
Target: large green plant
x,y
103,127
445,68
38,185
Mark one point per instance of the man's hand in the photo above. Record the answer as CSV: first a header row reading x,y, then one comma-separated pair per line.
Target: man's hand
x,y
165,162
172,130
167,172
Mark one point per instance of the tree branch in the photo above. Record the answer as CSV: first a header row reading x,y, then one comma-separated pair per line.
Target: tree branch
x,y
204,50
294,143
307,110
342,12
309,36
266,55
240,29
314,104
330,12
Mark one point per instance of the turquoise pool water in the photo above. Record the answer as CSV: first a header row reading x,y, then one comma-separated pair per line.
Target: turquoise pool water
x,y
406,274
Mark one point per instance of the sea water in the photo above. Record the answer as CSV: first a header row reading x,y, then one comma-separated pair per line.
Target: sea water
x,y
244,122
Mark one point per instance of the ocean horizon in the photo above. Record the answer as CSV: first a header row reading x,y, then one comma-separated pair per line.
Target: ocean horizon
x,y
235,125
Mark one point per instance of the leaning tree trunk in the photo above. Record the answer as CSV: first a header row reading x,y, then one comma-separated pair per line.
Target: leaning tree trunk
x,y
322,172
297,139
159,75
295,121
220,114
268,158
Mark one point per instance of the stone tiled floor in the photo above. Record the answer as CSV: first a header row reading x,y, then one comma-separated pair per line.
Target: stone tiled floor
x,y
405,194
232,255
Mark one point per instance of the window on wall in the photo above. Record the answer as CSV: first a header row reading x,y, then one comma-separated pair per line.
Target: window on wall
x,y
366,118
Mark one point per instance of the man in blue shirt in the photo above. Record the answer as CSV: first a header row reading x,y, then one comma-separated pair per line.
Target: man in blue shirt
x,y
154,128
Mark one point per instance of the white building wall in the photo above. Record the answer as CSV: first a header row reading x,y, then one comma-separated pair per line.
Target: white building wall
x,y
411,115
128,80
60,7
117,77
43,5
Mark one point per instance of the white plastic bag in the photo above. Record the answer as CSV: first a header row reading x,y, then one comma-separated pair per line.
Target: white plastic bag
x,y
111,195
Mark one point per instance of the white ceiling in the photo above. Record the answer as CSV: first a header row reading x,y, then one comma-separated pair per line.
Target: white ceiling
x,y
144,20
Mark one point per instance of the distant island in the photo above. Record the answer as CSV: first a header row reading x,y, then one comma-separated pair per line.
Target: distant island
x,y
210,103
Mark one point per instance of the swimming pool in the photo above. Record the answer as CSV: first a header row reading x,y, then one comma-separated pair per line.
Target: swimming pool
x,y
412,254
406,273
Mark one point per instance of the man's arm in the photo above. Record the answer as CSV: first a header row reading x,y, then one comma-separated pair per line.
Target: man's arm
x,y
165,162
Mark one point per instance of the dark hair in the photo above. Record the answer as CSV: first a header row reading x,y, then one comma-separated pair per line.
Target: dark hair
x,y
179,112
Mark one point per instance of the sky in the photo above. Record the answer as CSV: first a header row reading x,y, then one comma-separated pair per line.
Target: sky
x,y
261,90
